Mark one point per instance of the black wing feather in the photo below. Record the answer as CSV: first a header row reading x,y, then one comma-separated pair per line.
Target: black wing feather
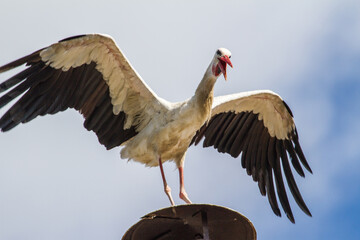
x,y
236,147
280,187
261,154
229,130
234,134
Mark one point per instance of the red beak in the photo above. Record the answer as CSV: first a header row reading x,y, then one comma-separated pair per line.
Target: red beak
x,y
223,61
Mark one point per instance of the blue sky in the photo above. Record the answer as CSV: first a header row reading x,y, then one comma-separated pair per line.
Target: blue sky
x,y
58,182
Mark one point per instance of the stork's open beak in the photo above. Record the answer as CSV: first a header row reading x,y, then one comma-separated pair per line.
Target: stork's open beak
x,y
223,61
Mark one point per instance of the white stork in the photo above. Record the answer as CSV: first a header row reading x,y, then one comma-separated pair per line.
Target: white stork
x,y
90,74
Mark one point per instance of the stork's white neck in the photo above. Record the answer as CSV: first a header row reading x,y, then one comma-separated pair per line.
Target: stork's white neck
x,y
205,91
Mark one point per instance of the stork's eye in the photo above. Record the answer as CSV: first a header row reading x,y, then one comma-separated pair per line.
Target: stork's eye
x,y
218,52
230,56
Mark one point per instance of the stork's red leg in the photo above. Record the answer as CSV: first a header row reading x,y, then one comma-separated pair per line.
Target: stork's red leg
x,y
183,195
167,189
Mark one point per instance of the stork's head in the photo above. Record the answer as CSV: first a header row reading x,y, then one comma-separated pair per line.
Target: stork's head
x,y
221,59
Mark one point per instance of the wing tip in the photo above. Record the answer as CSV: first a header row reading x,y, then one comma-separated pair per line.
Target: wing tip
x,y
309,169
290,217
305,209
33,57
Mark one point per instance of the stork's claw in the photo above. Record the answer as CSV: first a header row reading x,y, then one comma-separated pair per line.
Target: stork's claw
x,y
183,195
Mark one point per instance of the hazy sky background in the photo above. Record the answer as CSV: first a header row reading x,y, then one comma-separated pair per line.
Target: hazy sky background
x,y
57,181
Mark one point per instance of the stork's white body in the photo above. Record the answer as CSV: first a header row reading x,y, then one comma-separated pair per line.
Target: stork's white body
x,y
168,134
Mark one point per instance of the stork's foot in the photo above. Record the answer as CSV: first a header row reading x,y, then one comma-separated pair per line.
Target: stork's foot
x,y
167,190
183,195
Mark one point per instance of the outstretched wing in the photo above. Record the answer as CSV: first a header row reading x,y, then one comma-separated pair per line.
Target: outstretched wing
x,y
88,73
259,125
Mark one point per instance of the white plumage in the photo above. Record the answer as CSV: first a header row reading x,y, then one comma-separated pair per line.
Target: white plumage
x,y
90,73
